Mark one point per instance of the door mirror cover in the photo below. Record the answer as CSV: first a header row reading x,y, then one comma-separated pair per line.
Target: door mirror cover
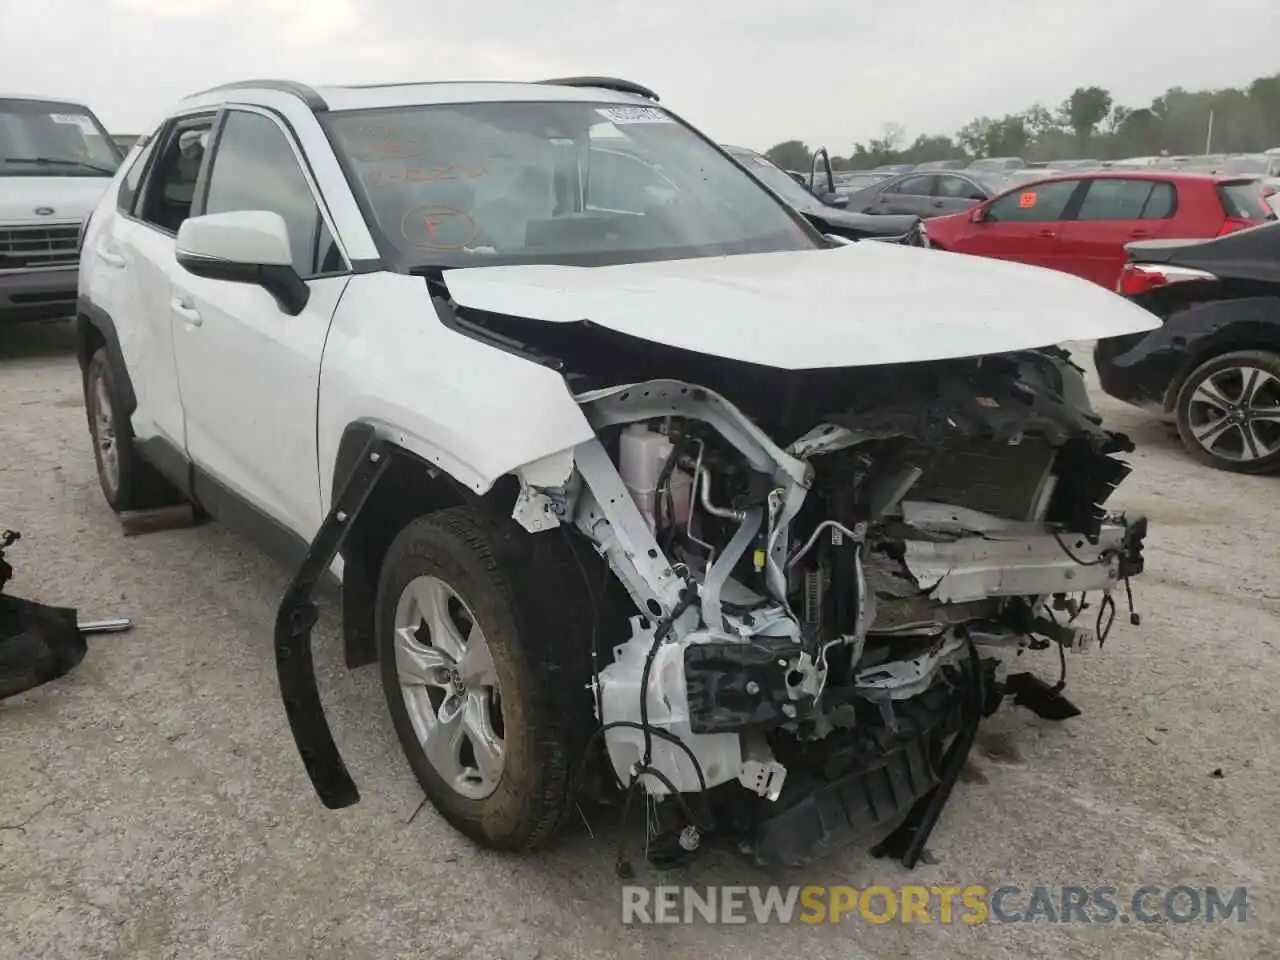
x,y
244,246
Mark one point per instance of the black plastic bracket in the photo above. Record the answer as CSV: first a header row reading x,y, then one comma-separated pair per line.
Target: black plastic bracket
x,y
296,618
907,842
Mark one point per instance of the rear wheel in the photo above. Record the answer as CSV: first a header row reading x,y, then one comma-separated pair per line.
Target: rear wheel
x,y
1228,412
469,707
128,482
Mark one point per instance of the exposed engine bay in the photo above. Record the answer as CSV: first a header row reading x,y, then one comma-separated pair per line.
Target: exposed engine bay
x,y
814,622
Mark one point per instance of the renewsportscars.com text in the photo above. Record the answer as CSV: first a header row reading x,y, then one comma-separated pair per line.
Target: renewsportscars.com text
x,y
938,904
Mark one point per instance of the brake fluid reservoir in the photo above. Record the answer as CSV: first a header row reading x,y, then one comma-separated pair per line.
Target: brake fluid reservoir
x,y
642,455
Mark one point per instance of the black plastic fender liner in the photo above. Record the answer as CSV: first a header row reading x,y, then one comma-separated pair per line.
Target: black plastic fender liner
x,y
297,616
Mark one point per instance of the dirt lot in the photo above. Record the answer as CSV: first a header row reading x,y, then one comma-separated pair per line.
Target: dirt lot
x,y
152,804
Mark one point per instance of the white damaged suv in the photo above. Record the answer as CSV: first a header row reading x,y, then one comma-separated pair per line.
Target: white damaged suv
x,y
633,482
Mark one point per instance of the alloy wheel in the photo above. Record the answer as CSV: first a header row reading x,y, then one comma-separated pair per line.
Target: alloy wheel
x,y
1234,413
450,686
104,433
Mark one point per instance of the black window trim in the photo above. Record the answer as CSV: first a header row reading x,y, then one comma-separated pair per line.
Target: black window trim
x,y
162,137
215,140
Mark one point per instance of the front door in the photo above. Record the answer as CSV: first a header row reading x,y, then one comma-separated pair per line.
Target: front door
x,y
1024,224
249,373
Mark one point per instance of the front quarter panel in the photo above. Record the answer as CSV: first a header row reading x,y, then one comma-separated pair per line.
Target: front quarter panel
x,y
473,410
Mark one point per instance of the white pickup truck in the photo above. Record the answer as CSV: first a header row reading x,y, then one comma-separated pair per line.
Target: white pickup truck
x,y
633,481
56,161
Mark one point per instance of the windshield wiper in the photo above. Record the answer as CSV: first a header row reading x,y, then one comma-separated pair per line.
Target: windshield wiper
x,y
61,162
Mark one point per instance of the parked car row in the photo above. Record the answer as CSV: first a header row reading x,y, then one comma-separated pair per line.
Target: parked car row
x,y
56,159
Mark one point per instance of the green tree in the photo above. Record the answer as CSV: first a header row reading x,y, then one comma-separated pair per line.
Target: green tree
x,y
791,155
1087,124
1085,109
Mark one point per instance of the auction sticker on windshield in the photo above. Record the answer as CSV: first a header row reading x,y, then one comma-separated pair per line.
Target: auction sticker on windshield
x,y
617,115
76,120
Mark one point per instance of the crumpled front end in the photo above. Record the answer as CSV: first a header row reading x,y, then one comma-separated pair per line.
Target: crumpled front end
x,y
815,622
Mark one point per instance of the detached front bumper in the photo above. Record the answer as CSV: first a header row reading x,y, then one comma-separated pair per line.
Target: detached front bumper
x,y
38,295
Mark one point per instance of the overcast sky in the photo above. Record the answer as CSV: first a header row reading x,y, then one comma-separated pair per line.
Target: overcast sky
x,y
747,71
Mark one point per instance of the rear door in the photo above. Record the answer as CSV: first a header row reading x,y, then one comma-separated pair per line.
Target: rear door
x,y
1024,224
139,250
910,194
1112,213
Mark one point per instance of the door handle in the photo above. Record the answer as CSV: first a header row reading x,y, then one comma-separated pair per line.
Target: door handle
x,y
937,203
1139,234
1046,234
110,258
183,308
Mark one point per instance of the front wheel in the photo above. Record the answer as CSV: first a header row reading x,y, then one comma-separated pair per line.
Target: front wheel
x,y
473,715
128,482
1228,412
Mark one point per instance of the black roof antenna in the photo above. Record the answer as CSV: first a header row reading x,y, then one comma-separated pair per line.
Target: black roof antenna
x,y
604,83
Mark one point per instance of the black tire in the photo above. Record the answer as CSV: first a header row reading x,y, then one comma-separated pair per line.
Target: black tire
x,y
1262,360
132,484
532,799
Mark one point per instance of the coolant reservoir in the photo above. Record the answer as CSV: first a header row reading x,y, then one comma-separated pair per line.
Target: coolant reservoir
x,y
642,455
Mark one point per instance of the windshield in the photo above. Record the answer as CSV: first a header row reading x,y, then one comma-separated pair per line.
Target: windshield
x,y
40,139
547,182
775,178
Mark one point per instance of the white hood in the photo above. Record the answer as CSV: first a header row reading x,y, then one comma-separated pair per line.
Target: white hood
x,y
858,305
70,198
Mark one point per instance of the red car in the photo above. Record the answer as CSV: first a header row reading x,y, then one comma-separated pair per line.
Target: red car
x,y
1080,223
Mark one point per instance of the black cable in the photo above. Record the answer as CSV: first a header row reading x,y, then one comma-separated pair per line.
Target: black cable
x,y
1062,673
622,865
595,617
1106,607
659,634
657,732
1062,652
1100,559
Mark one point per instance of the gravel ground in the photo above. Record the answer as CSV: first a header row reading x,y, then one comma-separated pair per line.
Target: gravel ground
x,y
152,804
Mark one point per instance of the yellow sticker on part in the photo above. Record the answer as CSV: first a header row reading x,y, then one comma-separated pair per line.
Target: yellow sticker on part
x,y
757,559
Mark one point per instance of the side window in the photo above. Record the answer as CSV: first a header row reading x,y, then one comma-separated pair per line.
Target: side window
x,y
913,186
171,182
1122,200
1033,204
255,168
1162,202
128,193
959,188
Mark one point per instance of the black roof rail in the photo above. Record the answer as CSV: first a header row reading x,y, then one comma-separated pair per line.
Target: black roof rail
x,y
300,90
604,83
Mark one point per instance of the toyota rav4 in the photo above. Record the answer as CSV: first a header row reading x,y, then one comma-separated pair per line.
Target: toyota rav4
x,y
633,482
